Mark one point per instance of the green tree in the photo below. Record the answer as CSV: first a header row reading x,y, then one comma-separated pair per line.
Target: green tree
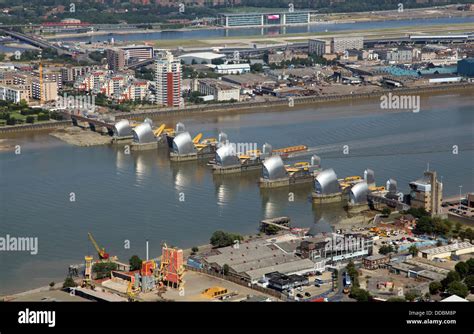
x,y
103,269
385,249
470,263
469,281
51,284
452,276
195,249
413,250
69,283
30,119
135,262
458,288
359,294
435,287
353,273
412,295
462,268
386,211
223,239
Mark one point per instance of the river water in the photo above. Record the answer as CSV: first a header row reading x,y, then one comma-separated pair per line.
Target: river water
x,y
277,30
133,197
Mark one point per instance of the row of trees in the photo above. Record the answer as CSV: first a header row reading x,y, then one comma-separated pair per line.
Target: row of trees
x,y
437,226
224,239
459,281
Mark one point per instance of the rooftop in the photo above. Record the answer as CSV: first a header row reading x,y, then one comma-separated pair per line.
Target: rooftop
x,y
448,248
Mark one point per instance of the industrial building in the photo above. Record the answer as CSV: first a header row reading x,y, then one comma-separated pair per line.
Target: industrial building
x,y
267,19
201,57
232,68
252,260
427,193
334,248
444,252
466,67
220,91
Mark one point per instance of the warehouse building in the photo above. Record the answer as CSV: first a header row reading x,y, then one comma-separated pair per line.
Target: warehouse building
x,y
201,57
251,261
447,251
466,67
221,91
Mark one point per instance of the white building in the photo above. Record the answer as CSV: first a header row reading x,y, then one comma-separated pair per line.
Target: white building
x,y
168,78
341,44
232,68
13,93
201,57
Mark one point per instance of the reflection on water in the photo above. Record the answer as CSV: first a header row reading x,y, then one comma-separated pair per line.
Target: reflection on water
x,y
136,196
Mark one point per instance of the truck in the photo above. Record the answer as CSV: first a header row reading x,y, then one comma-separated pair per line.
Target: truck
x,y
346,281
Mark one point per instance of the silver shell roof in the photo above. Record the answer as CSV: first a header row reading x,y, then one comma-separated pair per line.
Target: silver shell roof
x,y
149,121
183,144
273,168
180,127
326,182
391,185
267,149
222,138
122,128
369,176
315,160
359,193
226,156
143,134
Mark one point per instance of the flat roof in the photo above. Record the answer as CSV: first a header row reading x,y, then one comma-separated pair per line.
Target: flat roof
x,y
447,248
207,55
271,13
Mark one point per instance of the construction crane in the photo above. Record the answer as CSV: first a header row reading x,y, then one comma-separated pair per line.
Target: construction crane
x,y
103,255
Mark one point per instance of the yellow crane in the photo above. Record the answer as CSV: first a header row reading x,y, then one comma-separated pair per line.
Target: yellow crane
x,y
103,255
197,138
160,130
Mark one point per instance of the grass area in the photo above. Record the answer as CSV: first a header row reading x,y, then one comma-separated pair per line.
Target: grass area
x,y
17,115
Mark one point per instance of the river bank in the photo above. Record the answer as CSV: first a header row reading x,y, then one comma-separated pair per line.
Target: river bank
x,y
244,107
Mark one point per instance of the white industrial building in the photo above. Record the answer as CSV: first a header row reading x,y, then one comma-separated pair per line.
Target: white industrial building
x,y
232,68
201,57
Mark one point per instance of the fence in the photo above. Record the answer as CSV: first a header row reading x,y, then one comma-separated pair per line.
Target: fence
x,y
239,281
31,127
